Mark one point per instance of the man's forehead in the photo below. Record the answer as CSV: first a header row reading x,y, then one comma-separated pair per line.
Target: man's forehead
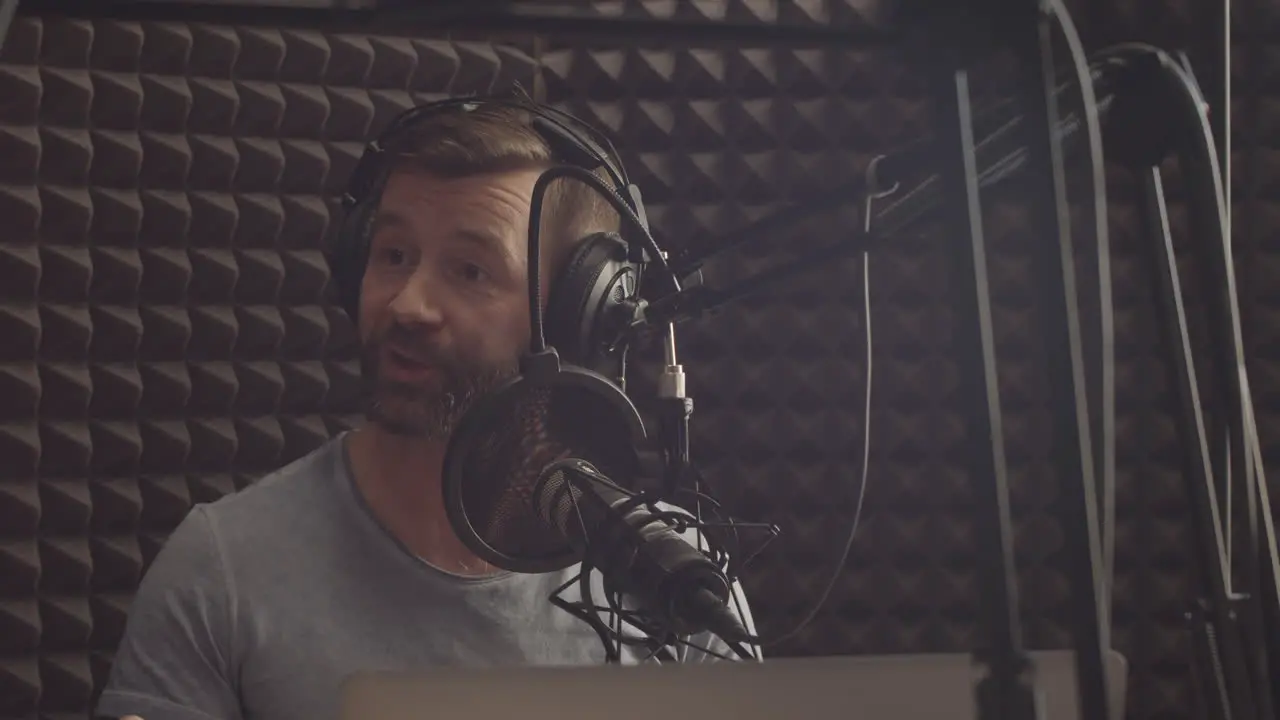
x,y
484,220
390,217
493,197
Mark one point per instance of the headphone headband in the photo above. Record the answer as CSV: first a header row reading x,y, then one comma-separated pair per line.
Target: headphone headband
x,y
570,139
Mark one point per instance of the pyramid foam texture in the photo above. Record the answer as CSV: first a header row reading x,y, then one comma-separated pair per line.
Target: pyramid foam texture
x,y
717,137
165,189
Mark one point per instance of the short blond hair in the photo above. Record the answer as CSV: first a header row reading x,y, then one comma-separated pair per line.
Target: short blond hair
x,y
501,137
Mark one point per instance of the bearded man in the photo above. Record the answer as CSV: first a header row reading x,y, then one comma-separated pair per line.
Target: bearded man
x,y
261,604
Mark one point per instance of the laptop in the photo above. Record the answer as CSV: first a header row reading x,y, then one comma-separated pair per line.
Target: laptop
x,y
892,687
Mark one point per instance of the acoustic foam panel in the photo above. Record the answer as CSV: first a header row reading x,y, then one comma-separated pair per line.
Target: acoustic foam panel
x,y
166,189
715,138
719,136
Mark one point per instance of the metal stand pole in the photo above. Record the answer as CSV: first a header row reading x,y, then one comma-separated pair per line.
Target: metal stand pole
x,y
1005,692
1218,647
1033,26
1024,26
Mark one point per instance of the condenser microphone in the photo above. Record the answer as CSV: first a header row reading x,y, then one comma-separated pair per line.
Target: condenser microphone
x,y
533,483
504,442
638,548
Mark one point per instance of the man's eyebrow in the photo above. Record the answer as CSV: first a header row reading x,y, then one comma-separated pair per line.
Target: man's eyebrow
x,y
389,219
484,239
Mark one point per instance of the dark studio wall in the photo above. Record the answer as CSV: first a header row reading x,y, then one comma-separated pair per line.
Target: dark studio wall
x,y
164,337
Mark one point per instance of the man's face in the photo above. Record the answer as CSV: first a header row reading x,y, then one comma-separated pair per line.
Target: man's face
x,y
444,309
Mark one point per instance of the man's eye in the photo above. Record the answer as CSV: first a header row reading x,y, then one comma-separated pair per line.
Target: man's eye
x,y
473,273
393,256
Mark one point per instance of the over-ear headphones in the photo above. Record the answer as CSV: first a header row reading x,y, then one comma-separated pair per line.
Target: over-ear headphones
x,y
595,291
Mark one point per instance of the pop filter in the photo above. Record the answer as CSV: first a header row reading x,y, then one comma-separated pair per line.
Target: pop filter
x,y
505,441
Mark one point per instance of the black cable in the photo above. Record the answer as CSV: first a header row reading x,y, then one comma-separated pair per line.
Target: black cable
x,y
862,486
679,521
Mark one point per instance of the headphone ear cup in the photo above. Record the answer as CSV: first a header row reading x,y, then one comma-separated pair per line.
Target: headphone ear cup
x,y
347,259
584,300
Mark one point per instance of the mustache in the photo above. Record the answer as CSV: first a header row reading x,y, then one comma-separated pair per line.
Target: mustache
x,y
415,345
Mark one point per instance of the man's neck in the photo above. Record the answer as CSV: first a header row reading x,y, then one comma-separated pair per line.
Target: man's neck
x,y
400,479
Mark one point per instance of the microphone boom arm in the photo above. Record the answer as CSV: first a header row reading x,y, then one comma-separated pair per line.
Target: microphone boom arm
x,y
896,216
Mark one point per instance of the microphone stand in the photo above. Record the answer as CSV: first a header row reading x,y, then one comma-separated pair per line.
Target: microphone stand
x,y
1032,26
1005,691
1024,26
1154,110
1236,627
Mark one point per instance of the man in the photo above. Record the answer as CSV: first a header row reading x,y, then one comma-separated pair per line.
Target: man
x,y
262,603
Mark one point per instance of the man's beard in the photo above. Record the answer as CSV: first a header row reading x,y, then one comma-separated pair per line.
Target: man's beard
x,y
430,412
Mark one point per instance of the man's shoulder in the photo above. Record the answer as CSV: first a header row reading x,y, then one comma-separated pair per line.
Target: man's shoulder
x,y
215,581
286,502
288,486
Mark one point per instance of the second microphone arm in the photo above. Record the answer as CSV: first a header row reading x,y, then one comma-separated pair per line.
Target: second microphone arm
x,y
1000,156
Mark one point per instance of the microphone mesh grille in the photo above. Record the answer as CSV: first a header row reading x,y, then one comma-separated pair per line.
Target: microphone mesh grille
x,y
556,499
527,429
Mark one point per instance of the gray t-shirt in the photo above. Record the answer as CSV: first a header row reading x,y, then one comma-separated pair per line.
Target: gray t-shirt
x,y
262,603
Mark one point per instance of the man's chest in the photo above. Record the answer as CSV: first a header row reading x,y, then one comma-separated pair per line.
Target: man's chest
x,y
294,660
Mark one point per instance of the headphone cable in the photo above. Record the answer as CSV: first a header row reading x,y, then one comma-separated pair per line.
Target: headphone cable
x,y
865,261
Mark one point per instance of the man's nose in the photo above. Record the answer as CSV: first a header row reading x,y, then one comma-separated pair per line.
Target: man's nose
x,y
418,302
